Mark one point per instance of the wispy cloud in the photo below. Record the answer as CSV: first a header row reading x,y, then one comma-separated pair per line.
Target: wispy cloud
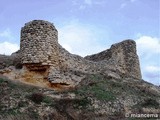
x,y
82,7
147,44
124,4
80,39
8,48
74,2
6,34
152,68
88,2
149,53
152,74
133,1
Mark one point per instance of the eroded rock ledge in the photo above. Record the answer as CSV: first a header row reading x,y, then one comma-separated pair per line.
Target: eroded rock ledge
x,y
46,63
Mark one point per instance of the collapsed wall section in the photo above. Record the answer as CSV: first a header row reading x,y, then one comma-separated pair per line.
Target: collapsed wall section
x,y
122,57
73,68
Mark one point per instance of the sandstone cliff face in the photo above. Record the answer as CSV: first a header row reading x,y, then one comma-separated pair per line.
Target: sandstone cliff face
x,y
45,61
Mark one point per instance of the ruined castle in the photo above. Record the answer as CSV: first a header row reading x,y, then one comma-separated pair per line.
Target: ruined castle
x,y
46,62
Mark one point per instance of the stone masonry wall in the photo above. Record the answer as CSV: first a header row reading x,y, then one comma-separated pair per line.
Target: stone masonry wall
x,y
39,43
121,55
40,50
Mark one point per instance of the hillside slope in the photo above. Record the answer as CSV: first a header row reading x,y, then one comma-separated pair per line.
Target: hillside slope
x,y
97,97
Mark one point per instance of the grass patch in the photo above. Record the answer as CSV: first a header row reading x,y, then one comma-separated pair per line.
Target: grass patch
x,y
33,114
36,97
96,87
100,92
39,98
150,103
9,83
48,100
22,104
82,103
147,103
13,111
2,80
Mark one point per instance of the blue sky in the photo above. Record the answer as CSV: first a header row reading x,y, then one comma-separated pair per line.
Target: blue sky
x,y
90,26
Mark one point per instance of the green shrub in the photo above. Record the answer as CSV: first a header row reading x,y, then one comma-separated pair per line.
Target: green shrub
x,y
97,90
13,111
82,103
96,77
147,103
48,100
22,104
18,66
39,97
1,80
36,97
150,103
97,87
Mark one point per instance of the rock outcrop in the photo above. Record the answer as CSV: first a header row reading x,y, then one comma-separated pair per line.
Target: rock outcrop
x,y
46,63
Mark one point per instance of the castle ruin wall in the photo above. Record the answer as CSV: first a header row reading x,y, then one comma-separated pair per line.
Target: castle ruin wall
x,y
39,43
40,49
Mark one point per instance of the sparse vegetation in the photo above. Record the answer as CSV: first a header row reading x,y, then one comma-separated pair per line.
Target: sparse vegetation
x,y
96,88
1,80
82,103
48,100
18,66
6,61
29,101
150,102
36,97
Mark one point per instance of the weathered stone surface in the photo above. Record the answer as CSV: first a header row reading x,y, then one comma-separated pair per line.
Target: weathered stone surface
x,y
40,54
123,56
38,42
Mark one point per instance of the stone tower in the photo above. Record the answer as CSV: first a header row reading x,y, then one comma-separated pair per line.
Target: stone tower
x,y
39,44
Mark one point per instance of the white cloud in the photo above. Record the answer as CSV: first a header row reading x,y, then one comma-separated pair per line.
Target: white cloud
x,y
152,68
6,34
82,5
8,48
101,3
74,2
133,0
88,2
149,53
147,44
67,47
80,39
123,5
